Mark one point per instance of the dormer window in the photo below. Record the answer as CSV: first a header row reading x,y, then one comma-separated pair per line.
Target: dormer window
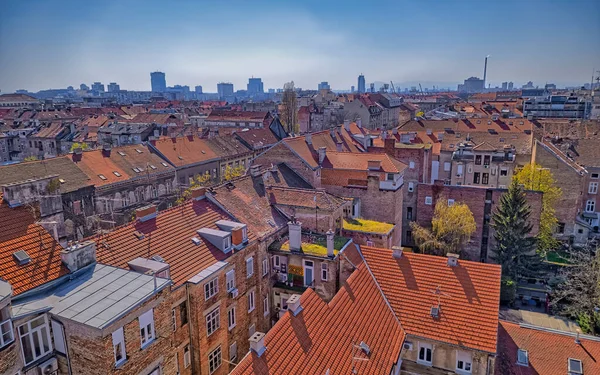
x,y
245,234
522,357
226,243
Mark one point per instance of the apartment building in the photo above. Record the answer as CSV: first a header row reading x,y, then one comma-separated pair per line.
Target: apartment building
x,y
231,152
238,119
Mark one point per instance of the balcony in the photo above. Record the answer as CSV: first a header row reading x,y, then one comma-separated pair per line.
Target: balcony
x,y
290,282
6,333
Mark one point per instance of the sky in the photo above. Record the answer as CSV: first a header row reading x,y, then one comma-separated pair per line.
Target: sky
x,y
54,44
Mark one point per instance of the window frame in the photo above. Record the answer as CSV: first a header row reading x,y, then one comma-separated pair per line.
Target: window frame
x,y
119,337
213,321
234,357
590,205
466,359
174,318
526,354
230,280
425,346
147,339
187,360
411,164
324,271
265,266
38,330
4,331
212,356
593,187
211,286
266,306
231,318
428,201
249,261
251,301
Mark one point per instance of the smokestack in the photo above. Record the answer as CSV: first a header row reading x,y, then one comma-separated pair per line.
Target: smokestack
x,y
485,70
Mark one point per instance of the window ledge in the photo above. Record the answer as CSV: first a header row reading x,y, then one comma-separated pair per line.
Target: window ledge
x,y
148,343
429,364
120,364
252,309
232,327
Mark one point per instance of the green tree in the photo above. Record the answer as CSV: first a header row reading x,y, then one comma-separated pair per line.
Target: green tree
x,y
81,145
515,247
451,228
198,181
534,177
231,172
31,158
578,295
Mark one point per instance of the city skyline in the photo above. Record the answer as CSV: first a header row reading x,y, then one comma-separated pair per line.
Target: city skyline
x,y
108,44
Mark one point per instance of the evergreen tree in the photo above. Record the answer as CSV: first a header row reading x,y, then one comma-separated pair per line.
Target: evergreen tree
x,y
515,248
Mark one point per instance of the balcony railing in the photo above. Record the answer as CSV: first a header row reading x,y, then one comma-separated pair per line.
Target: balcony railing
x,y
6,333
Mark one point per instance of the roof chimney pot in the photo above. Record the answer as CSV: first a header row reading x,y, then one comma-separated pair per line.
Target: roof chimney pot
x,y
294,305
452,259
330,243
257,343
397,252
322,154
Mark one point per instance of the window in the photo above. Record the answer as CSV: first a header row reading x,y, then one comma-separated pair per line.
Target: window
x,y
590,206
469,168
450,202
575,367
276,261
226,243
476,177
424,354
428,201
411,187
213,321
485,179
265,267
522,357
390,177
183,315
211,288
447,166
486,160
117,174
411,164
233,352
409,236
459,170
186,356
503,172
6,329
595,175
463,362
119,346
477,159
560,228
35,339
230,282
251,330
231,318
214,360
251,305
249,267
174,319
593,189
409,213
266,305
146,328
324,271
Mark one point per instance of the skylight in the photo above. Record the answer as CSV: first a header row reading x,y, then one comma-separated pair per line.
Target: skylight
x,y
138,151
522,357
102,177
121,153
22,257
152,166
164,164
575,367
136,170
61,180
117,174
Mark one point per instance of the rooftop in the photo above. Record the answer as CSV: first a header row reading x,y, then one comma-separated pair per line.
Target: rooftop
x,y
468,293
323,336
360,161
316,245
367,226
326,138
96,297
186,150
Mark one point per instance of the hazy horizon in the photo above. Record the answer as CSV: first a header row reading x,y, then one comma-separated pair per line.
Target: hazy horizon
x,y
57,44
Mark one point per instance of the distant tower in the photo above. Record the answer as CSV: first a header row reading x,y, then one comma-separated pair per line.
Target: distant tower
x,y
485,70
361,84
352,89
158,82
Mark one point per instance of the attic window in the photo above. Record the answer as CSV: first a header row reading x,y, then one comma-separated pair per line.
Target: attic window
x,y
501,139
22,257
152,166
164,164
522,357
136,170
180,157
138,151
196,241
575,367
121,153
61,180
102,177
204,152
117,174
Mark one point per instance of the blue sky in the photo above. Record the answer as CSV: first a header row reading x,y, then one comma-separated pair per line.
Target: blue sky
x,y
52,44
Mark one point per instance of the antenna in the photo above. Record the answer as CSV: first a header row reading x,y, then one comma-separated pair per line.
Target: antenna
x,y
438,292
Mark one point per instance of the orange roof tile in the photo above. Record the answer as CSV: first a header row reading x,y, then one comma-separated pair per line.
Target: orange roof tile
x,y
19,232
360,161
470,296
322,336
309,152
286,196
99,168
548,352
472,125
186,150
170,236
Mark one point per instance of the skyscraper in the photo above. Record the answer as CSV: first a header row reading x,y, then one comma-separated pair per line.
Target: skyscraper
x,y
255,86
158,82
225,89
324,85
361,84
198,89
510,85
97,86
504,86
113,87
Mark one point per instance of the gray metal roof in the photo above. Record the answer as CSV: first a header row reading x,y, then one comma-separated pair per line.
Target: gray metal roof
x,y
96,297
5,290
208,272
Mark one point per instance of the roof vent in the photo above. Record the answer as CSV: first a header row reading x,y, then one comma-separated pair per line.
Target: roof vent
x,y
139,235
196,241
452,259
257,343
22,257
365,348
435,311
397,252
158,258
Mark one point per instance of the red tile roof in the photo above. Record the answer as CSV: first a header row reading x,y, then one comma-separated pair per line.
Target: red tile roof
x,y
237,116
295,197
548,352
19,232
94,163
470,296
472,125
322,336
185,150
170,236
309,152
257,138
360,161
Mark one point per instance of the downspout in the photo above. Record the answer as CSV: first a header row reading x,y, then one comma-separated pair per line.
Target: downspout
x,y
191,330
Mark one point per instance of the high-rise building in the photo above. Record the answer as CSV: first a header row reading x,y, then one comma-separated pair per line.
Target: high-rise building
x,y
113,87
84,87
271,91
158,82
471,84
225,89
351,88
255,86
511,85
97,86
324,85
504,86
198,89
361,84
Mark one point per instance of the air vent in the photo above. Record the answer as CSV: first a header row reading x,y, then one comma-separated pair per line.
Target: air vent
x,y
22,257
196,241
157,258
139,235
435,311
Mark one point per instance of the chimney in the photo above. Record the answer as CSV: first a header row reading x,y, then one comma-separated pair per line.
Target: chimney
x,y
255,170
198,193
338,147
374,165
428,131
145,213
577,340
77,151
359,123
389,145
322,154
397,252
308,138
295,235
452,259
257,343
237,236
384,135
79,255
347,125
330,243
294,305
395,131
440,136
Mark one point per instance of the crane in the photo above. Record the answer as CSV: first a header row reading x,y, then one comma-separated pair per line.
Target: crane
x,y
392,86
422,93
